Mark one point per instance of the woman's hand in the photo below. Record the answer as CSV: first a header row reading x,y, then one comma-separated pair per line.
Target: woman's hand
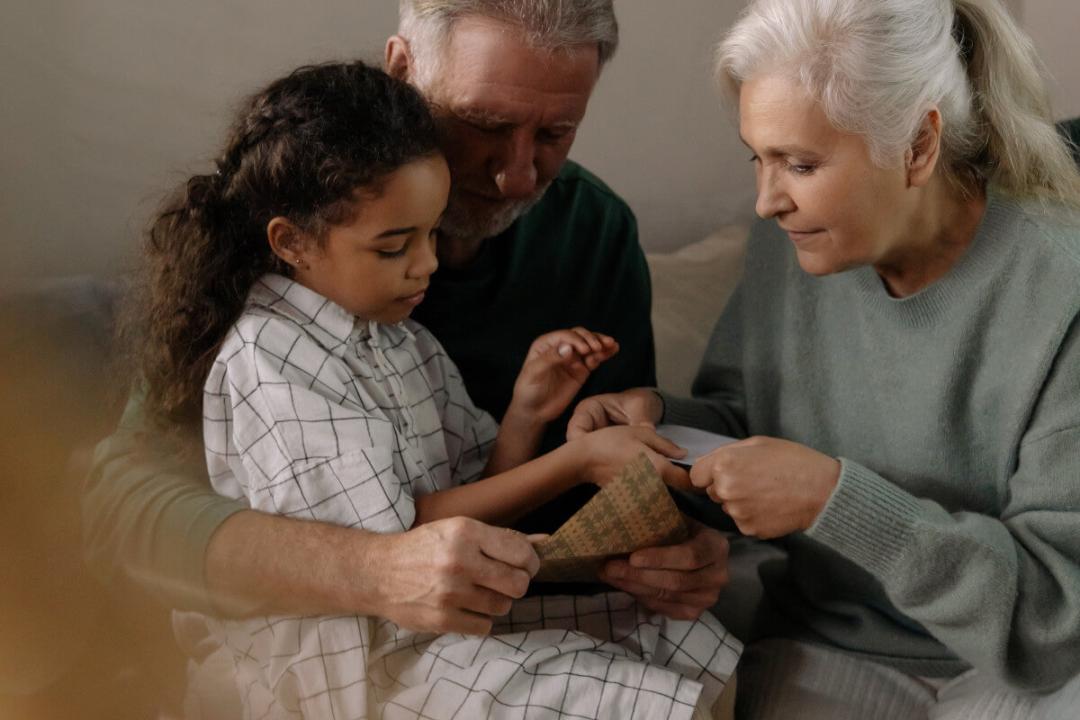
x,y
557,365
600,455
769,487
639,406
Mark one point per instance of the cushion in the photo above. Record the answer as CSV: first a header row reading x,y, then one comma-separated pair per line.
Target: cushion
x,y
690,288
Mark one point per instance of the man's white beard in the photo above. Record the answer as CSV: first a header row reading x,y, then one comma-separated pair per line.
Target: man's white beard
x,y
469,223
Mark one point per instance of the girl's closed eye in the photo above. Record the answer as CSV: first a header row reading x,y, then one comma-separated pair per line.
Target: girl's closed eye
x,y
392,253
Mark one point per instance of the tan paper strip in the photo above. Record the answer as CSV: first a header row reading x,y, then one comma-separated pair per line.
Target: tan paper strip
x,y
633,511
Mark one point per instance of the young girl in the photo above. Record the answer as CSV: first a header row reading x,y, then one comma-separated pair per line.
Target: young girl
x,y
282,285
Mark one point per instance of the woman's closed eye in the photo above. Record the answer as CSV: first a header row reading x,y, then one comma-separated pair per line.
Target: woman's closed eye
x,y
800,168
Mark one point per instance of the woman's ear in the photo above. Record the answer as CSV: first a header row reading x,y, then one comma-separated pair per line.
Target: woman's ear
x,y
398,58
922,157
287,241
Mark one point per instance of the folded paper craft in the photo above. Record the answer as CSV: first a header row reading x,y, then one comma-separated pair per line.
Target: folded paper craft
x,y
633,511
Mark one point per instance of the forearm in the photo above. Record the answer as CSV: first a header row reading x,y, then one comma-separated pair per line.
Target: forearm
x,y
1001,595
517,442
502,498
258,563
148,514
715,413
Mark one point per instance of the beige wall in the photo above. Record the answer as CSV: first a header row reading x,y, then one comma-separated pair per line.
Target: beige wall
x,y
1054,26
108,103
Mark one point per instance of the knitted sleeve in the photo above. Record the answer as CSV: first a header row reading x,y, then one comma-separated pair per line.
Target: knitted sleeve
x,y
1003,592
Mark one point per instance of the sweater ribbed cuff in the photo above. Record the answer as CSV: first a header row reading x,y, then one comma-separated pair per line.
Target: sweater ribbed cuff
x,y
687,411
867,519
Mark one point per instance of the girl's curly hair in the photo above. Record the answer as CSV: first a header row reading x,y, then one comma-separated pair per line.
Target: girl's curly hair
x,y
300,149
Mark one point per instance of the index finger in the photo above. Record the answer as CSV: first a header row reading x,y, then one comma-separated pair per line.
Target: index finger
x,y
511,548
684,556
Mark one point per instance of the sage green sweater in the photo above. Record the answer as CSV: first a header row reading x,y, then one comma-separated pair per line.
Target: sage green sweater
x,y
953,537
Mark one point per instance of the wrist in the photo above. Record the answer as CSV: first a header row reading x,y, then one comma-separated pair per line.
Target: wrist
x,y
658,405
571,461
517,419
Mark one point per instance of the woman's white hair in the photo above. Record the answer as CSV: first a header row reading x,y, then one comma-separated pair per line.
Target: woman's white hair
x,y
548,24
879,66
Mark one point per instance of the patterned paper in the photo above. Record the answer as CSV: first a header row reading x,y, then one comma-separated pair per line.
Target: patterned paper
x,y
633,511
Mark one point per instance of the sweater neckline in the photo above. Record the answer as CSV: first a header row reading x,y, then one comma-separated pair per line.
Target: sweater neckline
x,y
975,265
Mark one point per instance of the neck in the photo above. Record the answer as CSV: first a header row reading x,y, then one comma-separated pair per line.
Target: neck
x,y
455,253
942,228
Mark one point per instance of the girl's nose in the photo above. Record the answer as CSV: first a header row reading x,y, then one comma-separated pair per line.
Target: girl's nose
x,y
424,261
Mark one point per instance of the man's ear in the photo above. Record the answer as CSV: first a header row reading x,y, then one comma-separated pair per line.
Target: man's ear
x,y
398,58
922,157
287,241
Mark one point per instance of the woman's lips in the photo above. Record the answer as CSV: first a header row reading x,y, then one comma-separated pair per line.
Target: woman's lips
x,y
798,236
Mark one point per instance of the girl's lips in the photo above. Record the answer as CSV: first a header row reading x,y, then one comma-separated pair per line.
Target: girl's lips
x,y
414,299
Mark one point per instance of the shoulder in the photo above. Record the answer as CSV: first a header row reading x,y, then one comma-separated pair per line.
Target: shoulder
x,y
431,353
575,180
1044,248
265,346
578,198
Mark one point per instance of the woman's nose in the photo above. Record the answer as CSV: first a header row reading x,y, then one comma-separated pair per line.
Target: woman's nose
x,y
772,199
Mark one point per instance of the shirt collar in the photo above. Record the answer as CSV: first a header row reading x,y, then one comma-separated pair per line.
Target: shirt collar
x,y
308,308
304,306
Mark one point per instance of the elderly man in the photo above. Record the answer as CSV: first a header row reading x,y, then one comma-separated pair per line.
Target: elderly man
x,y
532,243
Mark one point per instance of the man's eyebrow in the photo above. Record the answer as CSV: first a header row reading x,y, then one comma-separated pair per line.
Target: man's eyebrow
x,y
487,118
471,115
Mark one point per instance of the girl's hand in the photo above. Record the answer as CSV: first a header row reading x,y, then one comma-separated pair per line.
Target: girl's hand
x,y
556,367
769,487
600,455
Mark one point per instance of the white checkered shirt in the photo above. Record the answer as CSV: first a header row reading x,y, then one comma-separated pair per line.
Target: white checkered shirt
x,y
312,413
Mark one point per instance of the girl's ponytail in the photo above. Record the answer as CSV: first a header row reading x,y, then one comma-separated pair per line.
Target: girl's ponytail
x,y
192,287
1023,153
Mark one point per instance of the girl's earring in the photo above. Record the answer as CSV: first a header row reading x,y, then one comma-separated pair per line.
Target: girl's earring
x,y
300,264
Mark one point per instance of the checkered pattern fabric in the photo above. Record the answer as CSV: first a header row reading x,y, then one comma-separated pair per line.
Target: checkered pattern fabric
x,y
312,413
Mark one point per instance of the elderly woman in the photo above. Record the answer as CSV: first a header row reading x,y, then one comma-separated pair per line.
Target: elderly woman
x,y
903,359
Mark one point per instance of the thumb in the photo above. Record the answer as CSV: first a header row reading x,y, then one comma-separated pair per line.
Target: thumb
x,y
674,476
658,443
588,416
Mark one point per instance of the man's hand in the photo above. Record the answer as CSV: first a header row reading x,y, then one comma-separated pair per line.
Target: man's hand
x,y
679,581
557,365
639,406
452,575
769,487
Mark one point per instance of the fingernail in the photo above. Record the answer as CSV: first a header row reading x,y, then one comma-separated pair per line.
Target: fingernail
x,y
564,350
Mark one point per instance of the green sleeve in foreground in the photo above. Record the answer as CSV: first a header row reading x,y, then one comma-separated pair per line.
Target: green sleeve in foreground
x,y
149,512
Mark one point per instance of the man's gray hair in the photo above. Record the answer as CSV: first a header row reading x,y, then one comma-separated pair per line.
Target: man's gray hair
x,y
548,24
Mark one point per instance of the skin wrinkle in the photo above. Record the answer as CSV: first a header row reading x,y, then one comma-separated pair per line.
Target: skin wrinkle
x,y
847,211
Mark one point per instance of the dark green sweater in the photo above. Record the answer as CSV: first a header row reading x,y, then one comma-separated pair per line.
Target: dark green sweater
x,y
953,537
573,259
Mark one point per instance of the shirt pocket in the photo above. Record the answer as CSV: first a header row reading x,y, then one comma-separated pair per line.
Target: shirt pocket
x,y
356,489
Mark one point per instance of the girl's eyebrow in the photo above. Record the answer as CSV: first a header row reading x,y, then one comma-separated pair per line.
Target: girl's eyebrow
x,y
395,231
